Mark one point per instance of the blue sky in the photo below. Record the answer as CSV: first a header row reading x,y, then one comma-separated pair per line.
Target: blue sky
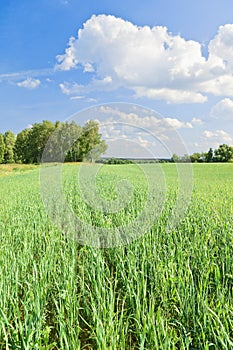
x,y
175,57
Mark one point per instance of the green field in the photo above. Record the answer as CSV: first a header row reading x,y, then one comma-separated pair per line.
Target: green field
x,y
169,289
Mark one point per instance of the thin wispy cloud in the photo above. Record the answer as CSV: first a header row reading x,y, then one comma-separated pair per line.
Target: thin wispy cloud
x,y
29,83
23,75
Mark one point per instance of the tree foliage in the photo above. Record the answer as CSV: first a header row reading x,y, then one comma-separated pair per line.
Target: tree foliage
x,y
70,142
9,140
111,161
180,159
22,147
38,137
61,142
2,148
223,154
210,155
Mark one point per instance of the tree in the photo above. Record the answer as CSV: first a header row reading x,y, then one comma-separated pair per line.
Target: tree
x,y
9,140
2,148
72,133
37,138
96,152
117,161
223,154
175,158
89,140
22,146
56,142
195,157
185,158
198,157
210,155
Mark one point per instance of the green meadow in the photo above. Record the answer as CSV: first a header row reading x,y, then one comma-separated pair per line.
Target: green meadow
x,y
167,289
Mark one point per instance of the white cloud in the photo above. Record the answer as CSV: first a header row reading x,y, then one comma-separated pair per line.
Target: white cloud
x,y
29,126
29,83
88,68
91,100
83,98
221,48
152,62
223,110
197,121
221,85
65,89
141,58
219,67
146,128
77,97
74,88
177,124
171,95
23,75
149,123
218,136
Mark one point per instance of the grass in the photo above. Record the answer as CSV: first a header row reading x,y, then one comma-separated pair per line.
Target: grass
x,y
165,290
7,169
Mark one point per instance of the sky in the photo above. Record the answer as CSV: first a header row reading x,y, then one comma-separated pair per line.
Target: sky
x,y
62,58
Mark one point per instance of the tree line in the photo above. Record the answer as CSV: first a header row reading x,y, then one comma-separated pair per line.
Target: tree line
x,y
222,154
62,141
71,142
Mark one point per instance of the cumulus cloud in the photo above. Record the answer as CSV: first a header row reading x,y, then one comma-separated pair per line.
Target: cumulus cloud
x,y
197,121
74,88
172,96
147,122
156,134
29,83
218,136
152,62
223,110
221,48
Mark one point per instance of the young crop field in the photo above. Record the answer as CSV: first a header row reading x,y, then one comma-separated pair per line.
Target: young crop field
x,y
167,289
